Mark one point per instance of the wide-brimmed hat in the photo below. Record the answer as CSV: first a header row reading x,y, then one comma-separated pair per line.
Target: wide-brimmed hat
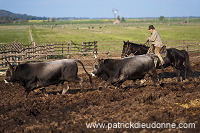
x,y
151,27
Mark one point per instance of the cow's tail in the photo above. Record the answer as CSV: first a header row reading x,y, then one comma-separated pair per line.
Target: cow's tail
x,y
153,56
90,78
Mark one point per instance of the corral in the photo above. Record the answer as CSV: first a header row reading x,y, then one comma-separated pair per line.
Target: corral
x,y
173,102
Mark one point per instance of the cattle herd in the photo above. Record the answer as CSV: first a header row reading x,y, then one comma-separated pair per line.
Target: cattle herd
x,y
114,71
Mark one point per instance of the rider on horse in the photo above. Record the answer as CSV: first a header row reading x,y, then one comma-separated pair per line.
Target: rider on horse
x,y
156,42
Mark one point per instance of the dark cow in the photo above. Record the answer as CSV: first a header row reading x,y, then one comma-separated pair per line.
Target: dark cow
x,y
42,74
116,71
178,59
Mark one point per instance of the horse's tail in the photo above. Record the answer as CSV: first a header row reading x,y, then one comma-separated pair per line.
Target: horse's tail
x,y
187,63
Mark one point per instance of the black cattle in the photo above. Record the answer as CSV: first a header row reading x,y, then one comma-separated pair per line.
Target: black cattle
x,y
42,74
116,71
178,59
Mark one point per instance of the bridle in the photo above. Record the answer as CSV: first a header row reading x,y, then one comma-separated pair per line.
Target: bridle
x,y
127,49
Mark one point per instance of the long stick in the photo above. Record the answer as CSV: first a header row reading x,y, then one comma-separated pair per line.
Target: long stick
x,y
144,33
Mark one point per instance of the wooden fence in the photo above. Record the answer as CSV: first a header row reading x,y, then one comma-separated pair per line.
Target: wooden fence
x,y
17,53
42,51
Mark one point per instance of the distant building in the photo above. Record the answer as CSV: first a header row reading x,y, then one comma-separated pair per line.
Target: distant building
x,y
116,22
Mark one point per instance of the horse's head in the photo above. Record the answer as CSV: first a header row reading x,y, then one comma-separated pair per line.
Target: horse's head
x,y
135,49
126,49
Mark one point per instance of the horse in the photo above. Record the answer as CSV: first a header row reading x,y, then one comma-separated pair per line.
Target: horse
x,y
178,59
135,49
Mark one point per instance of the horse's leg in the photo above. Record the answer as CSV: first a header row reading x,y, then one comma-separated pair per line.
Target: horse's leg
x,y
185,73
188,71
154,77
178,72
178,66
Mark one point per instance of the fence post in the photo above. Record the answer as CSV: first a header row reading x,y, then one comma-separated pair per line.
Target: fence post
x,y
68,47
45,48
52,48
187,47
62,49
82,47
1,60
95,47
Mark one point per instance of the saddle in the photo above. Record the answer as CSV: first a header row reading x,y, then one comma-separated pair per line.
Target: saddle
x,y
163,51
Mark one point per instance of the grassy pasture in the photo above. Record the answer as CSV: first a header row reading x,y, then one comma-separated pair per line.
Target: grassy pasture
x,y
11,33
81,32
100,32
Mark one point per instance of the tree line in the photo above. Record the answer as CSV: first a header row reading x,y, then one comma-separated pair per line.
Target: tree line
x,y
9,17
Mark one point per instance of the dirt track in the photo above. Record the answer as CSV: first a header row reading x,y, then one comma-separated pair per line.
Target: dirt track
x,y
173,102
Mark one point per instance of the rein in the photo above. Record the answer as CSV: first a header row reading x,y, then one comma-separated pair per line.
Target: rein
x,y
128,49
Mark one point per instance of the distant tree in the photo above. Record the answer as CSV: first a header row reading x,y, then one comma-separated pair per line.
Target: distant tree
x,y
118,18
123,19
13,16
52,19
161,18
6,19
21,21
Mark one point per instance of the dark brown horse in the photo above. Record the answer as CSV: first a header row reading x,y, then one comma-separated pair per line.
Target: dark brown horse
x,y
133,48
178,59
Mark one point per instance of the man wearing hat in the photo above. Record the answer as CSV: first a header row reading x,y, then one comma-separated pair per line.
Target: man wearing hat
x,y
156,41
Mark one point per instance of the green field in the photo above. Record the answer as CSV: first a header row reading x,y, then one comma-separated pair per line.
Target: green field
x,y
9,34
80,32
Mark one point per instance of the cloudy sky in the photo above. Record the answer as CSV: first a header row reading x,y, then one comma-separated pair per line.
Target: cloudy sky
x,y
103,8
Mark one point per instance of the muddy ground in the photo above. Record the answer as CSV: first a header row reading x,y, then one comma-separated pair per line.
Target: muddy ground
x,y
173,102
